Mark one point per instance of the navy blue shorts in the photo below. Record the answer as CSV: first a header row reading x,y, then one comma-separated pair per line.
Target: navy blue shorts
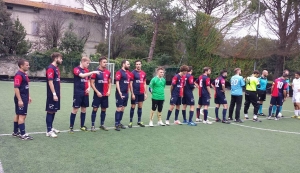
x,y
80,101
204,101
120,102
276,101
175,100
21,110
138,98
188,101
220,99
51,105
100,102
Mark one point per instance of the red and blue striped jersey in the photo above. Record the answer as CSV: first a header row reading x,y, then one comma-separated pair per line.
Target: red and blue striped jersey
x,y
203,81
80,84
102,81
124,78
53,73
279,85
138,81
21,81
218,82
189,85
178,85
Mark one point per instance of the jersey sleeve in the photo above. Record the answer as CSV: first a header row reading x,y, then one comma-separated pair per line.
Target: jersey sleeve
x,y
223,81
93,76
151,83
145,78
76,71
50,73
174,80
17,81
118,76
207,82
286,86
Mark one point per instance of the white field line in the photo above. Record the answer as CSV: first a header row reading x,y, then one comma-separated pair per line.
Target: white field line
x,y
1,168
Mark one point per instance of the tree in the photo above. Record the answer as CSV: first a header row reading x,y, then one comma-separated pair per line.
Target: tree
x,y
6,27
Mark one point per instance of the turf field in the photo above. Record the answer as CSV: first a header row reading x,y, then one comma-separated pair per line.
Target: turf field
x,y
266,147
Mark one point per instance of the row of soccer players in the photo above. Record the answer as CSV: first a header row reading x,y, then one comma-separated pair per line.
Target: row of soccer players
x,y
135,82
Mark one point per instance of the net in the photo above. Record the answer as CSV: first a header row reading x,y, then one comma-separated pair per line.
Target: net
x,y
110,66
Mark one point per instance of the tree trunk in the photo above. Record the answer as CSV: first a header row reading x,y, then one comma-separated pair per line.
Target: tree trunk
x,y
153,42
278,67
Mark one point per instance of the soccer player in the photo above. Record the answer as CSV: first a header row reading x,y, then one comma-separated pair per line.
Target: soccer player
x,y
203,84
21,99
296,95
81,92
101,84
53,93
261,91
220,98
278,93
188,98
237,82
138,90
177,94
157,89
251,96
123,77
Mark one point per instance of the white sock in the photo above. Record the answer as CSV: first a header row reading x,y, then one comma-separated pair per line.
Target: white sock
x,y
296,112
254,116
246,115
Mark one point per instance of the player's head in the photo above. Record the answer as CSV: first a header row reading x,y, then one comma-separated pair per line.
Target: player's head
x,y
265,73
286,71
297,74
190,71
256,73
102,61
85,62
23,65
160,72
184,69
206,70
125,64
138,64
56,57
223,73
238,71
285,76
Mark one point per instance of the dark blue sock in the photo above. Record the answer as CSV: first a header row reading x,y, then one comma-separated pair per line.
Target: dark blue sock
x,y
198,113
205,111
176,114
93,117
169,114
121,116
184,114
131,114
82,119
16,127
277,111
191,116
260,109
139,112
270,110
53,116
224,114
72,119
103,115
217,112
117,117
49,119
22,128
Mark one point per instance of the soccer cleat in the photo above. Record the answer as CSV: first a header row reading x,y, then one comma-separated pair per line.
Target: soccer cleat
x,y
198,120
218,120
276,119
141,124
238,121
122,126
206,122
185,122
256,120
177,122
269,118
262,114
117,128
230,119
93,129
294,116
225,122
18,134
83,128
151,123
25,137
167,122
103,128
273,114
246,117
51,134
191,123
160,123
71,130
130,125
55,130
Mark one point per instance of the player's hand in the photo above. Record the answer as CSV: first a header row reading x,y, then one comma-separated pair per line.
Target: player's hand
x,y
132,97
95,72
99,94
145,97
30,100
20,103
108,93
121,96
87,91
55,98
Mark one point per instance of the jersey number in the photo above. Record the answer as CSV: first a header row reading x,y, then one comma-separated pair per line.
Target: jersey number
x,y
234,82
200,83
217,82
279,85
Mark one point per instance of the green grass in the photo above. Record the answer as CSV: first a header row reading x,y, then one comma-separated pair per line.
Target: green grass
x,y
204,148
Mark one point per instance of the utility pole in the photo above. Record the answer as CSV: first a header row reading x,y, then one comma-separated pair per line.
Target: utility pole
x,y
109,33
257,30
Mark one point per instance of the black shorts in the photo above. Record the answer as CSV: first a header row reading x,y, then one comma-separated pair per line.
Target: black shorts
x,y
276,101
175,100
121,102
138,98
261,95
100,102
157,104
21,110
51,105
188,100
220,99
80,101
204,100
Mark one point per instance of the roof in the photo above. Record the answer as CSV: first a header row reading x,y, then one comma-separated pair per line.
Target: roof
x,y
44,5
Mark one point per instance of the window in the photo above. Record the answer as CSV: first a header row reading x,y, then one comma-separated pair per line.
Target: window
x,y
35,28
10,7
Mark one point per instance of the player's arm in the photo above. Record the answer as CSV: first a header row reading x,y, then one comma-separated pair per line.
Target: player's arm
x,y
17,82
196,83
207,82
174,82
145,85
151,84
118,77
272,87
50,74
223,85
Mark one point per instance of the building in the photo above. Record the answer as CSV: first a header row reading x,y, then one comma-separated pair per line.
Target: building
x,y
85,23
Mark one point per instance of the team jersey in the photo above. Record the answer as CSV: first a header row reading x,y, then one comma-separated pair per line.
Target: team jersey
x,y
157,86
237,83
296,86
21,81
178,85
102,81
53,74
251,83
189,85
138,81
124,78
263,81
279,85
218,83
80,84
203,81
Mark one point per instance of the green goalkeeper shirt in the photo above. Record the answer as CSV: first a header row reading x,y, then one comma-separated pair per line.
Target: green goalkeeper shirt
x,y
158,88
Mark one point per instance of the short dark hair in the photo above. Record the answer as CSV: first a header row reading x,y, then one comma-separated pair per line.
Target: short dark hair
x,y
297,72
102,58
184,68
55,55
223,71
21,62
124,62
255,72
285,70
205,69
137,61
